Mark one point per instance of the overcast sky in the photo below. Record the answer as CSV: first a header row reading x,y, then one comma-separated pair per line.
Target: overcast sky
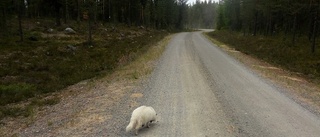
x,y
192,1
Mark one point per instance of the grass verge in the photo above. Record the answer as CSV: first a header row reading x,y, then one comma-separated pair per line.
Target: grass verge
x,y
277,50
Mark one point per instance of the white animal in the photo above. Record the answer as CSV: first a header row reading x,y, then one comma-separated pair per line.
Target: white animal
x,y
141,117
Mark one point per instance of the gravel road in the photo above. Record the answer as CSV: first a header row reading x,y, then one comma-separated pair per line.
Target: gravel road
x,y
198,90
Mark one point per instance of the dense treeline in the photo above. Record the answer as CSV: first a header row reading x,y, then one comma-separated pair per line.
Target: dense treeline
x,y
202,14
160,14
271,17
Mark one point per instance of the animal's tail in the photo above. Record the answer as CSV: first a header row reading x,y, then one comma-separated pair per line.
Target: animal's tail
x,y
130,126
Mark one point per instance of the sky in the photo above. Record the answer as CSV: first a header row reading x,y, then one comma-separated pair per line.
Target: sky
x,y
192,1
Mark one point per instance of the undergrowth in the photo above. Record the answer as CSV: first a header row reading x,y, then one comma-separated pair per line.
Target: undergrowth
x,y
54,60
278,50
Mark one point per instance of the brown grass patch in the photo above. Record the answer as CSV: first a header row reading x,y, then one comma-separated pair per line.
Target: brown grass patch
x,y
136,95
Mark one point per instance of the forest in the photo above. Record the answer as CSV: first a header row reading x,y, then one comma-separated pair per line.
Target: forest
x,y
143,12
159,14
292,18
284,33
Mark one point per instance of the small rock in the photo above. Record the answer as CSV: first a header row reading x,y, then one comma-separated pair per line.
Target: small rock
x,y
141,27
69,31
72,48
50,30
48,53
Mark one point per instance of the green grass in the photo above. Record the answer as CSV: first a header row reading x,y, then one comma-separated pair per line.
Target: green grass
x,y
15,92
277,50
32,68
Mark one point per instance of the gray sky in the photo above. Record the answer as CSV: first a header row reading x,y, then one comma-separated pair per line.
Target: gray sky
x,y
192,1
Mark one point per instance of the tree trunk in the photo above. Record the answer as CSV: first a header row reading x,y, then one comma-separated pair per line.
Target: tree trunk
x,y
95,10
90,31
78,11
313,47
66,12
314,33
152,18
267,27
103,10
294,29
90,13
142,16
255,23
20,5
57,7
272,28
109,13
129,13
3,23
142,21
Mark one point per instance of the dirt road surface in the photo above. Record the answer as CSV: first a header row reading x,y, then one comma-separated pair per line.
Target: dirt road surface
x,y
197,90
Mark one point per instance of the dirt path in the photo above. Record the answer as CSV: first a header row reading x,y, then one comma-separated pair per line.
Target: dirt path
x,y
196,89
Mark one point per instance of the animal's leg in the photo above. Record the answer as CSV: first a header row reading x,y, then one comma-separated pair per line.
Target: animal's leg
x,y
136,131
148,124
138,126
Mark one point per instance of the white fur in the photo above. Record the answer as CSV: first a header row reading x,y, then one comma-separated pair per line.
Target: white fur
x,y
141,116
